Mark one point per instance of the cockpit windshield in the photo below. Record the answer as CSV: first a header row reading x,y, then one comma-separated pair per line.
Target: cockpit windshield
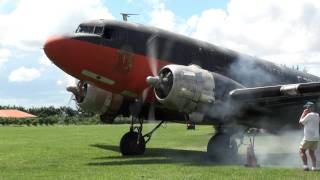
x,y
90,29
98,30
85,29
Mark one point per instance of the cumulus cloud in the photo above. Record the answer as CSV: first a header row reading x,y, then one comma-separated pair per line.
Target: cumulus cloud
x,y
26,24
161,16
32,21
67,81
285,32
262,28
24,74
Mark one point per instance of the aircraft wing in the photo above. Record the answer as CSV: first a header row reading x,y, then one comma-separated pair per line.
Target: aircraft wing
x,y
279,94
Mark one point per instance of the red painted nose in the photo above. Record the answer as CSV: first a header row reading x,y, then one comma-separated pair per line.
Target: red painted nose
x,y
54,48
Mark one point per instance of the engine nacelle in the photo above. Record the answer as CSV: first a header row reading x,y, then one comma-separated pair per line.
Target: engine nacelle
x,y
100,101
93,99
184,88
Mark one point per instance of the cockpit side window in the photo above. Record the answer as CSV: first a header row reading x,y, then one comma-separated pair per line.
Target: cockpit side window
x,y
108,33
98,30
85,29
79,29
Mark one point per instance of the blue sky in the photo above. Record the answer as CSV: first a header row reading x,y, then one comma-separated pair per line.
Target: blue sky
x,y
182,8
283,32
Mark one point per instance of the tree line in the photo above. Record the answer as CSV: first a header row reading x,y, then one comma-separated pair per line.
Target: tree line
x,y
51,115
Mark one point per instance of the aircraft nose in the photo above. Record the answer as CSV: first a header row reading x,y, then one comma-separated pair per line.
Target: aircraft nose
x,y
54,48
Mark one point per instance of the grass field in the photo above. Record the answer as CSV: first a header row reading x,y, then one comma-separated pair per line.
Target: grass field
x,y
91,152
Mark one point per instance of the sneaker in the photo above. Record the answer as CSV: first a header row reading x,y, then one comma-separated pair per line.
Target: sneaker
x,y
306,169
314,169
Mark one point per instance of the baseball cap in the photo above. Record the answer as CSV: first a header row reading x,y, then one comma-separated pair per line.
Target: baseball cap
x,y
308,104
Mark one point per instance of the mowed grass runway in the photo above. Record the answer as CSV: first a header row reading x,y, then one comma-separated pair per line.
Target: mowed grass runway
x,y
91,152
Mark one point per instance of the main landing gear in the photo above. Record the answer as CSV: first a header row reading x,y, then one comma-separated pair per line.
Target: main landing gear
x,y
133,142
221,146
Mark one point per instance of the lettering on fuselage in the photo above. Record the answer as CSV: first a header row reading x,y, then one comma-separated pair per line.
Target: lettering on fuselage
x,y
125,61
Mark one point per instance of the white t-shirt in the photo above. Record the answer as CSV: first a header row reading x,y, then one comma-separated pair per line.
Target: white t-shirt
x,y
311,126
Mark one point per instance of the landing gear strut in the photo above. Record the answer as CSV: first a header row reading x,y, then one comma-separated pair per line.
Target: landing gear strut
x,y
133,142
221,146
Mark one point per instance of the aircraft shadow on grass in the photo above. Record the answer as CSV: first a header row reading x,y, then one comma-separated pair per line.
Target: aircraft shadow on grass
x,y
155,156
177,156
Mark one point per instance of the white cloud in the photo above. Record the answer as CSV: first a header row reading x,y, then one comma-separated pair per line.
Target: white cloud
x,y
32,21
12,101
26,24
45,61
37,102
161,17
5,54
254,27
285,32
24,74
67,81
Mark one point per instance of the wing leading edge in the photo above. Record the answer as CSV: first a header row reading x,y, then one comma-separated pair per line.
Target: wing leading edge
x,y
279,94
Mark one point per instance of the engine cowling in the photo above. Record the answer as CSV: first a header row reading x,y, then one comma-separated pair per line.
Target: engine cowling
x,y
184,88
96,100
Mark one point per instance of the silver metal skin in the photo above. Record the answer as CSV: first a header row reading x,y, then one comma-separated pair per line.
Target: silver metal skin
x,y
192,88
99,101
290,89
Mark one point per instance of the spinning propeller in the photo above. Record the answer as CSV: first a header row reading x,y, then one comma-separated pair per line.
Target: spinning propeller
x,y
162,83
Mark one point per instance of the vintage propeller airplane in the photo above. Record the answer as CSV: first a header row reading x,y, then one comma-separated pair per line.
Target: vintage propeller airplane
x,y
128,69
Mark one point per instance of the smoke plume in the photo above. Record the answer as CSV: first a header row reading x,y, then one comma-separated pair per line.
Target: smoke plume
x,y
278,150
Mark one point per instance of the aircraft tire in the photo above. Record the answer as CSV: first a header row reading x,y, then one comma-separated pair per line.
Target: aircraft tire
x,y
129,145
222,148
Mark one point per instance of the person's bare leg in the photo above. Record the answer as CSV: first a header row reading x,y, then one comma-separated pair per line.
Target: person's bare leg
x,y
313,158
304,157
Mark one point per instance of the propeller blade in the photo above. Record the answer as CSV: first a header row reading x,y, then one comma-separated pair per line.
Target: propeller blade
x,y
145,94
151,114
152,46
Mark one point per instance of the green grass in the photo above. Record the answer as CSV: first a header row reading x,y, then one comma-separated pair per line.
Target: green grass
x,y
91,152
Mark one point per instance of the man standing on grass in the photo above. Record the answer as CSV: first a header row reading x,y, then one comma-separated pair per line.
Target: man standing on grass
x,y
310,120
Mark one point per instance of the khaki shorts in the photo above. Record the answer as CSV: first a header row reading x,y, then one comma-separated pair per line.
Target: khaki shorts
x,y
311,145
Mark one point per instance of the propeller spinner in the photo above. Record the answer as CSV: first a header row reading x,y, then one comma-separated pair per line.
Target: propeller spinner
x,y
161,83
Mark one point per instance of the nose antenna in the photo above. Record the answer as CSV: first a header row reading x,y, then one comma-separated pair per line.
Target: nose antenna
x,y
126,15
